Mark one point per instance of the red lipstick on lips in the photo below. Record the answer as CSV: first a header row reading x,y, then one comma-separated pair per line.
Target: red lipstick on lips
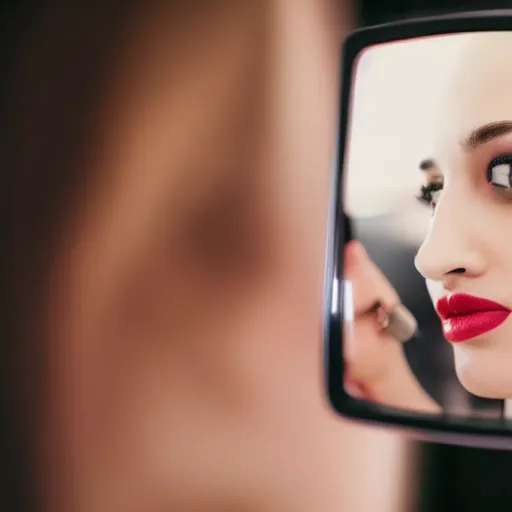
x,y
465,316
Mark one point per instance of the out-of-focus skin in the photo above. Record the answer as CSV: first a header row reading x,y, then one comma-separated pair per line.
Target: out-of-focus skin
x,y
376,365
467,249
185,309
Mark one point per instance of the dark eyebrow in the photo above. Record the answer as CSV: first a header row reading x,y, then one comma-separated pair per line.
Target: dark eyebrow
x,y
425,165
486,133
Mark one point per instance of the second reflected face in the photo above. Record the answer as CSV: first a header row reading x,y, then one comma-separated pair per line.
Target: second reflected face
x,y
466,257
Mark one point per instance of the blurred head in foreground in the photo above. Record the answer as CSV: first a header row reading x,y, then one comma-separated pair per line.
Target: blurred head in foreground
x,y
168,171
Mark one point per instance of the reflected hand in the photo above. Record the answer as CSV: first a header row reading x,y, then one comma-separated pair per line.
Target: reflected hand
x,y
371,353
375,364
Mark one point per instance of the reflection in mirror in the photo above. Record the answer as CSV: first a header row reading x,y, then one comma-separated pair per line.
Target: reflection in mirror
x,y
428,194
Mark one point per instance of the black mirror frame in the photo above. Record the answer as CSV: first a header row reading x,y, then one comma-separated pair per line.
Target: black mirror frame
x,y
443,428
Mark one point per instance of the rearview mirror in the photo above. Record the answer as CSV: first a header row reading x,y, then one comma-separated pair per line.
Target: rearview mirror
x,y
418,298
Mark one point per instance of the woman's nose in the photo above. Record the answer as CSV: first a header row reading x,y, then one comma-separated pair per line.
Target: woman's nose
x,y
451,247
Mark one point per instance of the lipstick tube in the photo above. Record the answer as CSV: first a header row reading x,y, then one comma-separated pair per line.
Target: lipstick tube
x,y
401,324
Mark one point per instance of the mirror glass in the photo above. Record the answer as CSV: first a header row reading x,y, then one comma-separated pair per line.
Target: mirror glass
x,y
427,192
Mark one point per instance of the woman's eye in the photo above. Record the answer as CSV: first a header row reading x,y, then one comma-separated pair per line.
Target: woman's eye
x,y
435,197
431,194
499,172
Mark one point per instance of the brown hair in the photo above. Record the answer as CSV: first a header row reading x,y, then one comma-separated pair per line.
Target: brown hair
x,y
57,63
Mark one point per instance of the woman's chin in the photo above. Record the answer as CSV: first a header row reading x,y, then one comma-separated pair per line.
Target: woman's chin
x,y
484,371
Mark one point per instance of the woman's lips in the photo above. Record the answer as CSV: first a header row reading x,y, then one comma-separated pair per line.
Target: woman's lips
x,y
465,316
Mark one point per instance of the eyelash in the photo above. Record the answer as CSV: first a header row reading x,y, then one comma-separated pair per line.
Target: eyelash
x,y
496,162
427,191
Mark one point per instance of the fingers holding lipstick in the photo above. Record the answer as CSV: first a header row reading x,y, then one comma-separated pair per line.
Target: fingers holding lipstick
x,y
370,350
370,287
376,368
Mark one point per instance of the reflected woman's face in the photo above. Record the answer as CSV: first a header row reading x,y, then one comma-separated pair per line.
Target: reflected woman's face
x,y
466,257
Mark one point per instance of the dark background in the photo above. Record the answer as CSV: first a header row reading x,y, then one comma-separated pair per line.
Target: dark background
x,y
452,478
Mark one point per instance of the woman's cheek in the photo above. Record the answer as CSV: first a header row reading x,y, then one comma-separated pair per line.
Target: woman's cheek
x,y
435,290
